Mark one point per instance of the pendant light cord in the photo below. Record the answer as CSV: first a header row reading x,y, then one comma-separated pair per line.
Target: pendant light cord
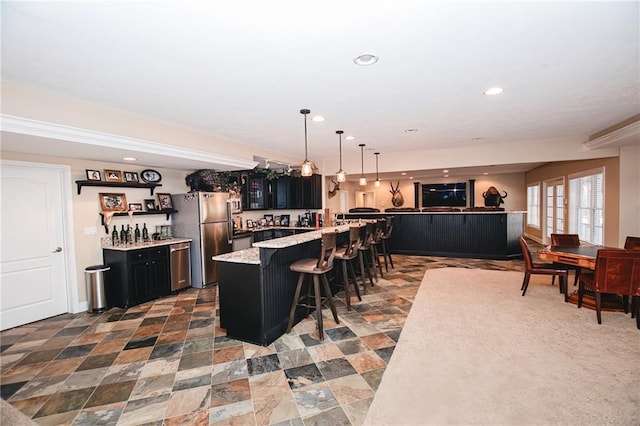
x,y
305,138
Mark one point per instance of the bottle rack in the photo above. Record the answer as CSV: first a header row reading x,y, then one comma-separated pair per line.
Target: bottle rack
x,y
167,212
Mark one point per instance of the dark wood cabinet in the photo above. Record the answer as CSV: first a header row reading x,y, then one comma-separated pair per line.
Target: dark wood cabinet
x,y
136,276
285,192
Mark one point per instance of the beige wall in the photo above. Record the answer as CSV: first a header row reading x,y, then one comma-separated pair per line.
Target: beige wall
x,y
512,183
629,192
612,196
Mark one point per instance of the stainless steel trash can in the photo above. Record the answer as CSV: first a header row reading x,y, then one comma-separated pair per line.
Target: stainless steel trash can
x,y
95,281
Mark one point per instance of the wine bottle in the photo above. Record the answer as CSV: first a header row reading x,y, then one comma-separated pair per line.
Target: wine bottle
x,y
145,233
123,236
136,234
129,235
114,236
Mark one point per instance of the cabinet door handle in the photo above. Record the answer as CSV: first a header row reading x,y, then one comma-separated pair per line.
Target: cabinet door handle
x,y
57,250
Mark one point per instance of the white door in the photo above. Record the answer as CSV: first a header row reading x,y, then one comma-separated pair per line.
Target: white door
x,y
33,275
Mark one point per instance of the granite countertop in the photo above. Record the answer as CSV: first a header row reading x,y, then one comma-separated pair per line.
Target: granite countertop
x,y
249,256
363,214
296,239
252,255
155,243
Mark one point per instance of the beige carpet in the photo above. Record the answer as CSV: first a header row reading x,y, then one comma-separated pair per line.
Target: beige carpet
x,y
474,351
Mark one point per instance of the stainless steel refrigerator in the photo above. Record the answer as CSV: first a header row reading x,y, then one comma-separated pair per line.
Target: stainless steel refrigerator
x,y
205,217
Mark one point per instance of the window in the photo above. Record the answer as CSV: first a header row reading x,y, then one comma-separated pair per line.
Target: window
x,y
533,205
586,206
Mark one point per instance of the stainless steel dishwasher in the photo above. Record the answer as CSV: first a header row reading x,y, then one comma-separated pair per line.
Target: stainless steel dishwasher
x,y
180,266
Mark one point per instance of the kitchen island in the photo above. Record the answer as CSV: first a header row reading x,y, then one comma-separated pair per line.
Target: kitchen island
x,y
256,287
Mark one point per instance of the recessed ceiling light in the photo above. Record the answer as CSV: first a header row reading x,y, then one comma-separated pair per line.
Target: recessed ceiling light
x,y
485,173
365,59
445,171
318,118
410,177
349,138
129,159
446,175
493,91
403,173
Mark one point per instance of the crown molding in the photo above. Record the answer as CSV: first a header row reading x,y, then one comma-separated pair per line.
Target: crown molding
x,y
627,135
26,126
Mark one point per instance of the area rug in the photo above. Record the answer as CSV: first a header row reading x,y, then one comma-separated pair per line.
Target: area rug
x,y
474,351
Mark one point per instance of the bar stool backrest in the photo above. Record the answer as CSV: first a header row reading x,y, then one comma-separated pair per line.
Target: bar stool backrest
x,y
389,227
371,229
327,251
363,239
381,225
354,237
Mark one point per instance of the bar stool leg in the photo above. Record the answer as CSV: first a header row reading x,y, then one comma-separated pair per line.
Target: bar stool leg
x,y
292,314
386,246
376,256
345,278
364,272
325,283
355,279
384,255
318,297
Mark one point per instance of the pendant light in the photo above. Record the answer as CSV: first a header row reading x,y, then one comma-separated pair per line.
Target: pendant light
x,y
306,168
363,180
377,184
341,176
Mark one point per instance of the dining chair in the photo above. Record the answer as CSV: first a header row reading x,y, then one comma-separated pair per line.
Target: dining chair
x,y
541,268
617,272
567,240
632,243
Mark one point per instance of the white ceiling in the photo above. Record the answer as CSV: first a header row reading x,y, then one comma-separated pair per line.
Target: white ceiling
x,y
242,70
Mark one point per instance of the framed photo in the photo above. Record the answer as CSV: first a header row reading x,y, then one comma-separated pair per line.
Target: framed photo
x,y
135,207
131,177
284,220
112,175
113,202
94,175
249,224
164,201
150,205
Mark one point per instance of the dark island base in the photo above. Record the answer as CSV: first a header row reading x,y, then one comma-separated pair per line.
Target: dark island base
x,y
479,235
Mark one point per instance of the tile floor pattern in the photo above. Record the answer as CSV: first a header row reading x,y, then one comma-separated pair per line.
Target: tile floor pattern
x,y
167,363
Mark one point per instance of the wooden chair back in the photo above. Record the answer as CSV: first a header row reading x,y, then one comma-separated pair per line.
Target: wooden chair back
x,y
389,227
566,240
617,272
354,237
327,251
526,254
632,243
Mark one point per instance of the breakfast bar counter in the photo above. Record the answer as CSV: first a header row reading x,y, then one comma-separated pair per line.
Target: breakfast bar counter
x,y
256,287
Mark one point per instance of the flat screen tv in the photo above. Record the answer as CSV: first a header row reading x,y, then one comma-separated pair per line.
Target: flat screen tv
x,y
444,194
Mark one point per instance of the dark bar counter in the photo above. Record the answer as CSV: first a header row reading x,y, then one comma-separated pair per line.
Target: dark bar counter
x,y
472,234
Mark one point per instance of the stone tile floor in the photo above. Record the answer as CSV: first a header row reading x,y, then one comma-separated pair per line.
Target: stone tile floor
x,y
167,362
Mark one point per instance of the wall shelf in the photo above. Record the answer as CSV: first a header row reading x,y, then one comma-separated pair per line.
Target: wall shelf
x,y
167,212
150,186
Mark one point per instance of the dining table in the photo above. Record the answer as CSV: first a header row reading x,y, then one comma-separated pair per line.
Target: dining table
x,y
583,256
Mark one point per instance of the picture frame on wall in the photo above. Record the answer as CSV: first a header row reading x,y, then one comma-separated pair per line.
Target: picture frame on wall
x,y
93,175
150,205
249,224
113,175
113,202
135,207
131,177
164,201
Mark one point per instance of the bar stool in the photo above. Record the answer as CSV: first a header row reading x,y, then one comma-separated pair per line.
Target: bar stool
x,y
364,246
384,242
317,268
346,256
376,241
